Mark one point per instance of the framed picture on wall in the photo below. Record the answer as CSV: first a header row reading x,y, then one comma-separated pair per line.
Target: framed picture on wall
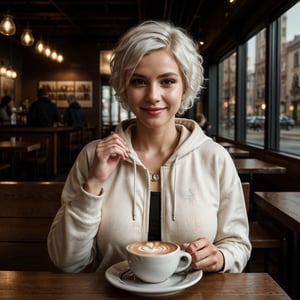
x,y
7,87
84,93
64,89
60,90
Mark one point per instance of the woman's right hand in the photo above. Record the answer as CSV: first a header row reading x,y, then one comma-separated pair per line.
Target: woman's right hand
x,y
108,153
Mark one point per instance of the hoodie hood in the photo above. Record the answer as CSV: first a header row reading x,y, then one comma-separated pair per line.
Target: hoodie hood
x,y
191,137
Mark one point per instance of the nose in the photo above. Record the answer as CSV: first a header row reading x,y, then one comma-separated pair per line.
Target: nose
x,y
154,92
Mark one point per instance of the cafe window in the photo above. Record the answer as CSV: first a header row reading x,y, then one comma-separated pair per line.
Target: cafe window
x,y
289,117
255,88
227,96
112,111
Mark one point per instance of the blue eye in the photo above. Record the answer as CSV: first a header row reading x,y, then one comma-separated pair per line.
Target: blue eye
x,y
137,82
168,81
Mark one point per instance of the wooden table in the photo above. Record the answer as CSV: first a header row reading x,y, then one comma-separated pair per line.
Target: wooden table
x,y
17,146
54,134
89,286
237,153
257,166
227,145
252,166
284,208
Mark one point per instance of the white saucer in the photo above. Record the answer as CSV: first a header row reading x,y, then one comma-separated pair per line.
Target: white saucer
x,y
118,276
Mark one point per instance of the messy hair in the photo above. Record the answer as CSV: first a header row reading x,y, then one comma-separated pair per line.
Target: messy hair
x,y
151,36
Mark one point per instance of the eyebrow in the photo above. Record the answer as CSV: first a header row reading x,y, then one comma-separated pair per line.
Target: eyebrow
x,y
160,76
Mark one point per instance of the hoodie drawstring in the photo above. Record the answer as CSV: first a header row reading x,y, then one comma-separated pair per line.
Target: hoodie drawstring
x,y
134,189
175,194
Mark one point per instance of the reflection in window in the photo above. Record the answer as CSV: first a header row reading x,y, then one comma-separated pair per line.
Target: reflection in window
x,y
255,93
227,97
290,89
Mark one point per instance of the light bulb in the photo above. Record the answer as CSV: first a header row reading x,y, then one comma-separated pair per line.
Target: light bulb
x,y
54,55
60,58
47,51
7,25
27,38
2,69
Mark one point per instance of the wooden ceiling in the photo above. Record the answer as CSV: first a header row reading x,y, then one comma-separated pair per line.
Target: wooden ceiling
x,y
103,21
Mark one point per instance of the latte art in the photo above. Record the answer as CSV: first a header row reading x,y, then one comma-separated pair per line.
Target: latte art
x,y
153,248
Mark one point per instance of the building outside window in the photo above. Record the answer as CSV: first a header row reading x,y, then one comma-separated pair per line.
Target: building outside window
x,y
227,96
290,89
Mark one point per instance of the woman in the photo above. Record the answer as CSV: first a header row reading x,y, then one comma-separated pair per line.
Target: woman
x,y
7,103
156,177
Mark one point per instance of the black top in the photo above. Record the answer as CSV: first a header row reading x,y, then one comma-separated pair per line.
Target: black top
x,y
154,233
43,113
74,115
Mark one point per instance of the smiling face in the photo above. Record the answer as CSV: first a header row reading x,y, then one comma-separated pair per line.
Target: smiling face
x,y
155,90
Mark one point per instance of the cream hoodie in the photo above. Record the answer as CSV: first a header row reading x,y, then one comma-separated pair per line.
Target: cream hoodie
x,y
201,196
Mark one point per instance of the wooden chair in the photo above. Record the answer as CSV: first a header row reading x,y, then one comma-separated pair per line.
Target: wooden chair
x,y
262,236
4,170
35,164
27,212
72,146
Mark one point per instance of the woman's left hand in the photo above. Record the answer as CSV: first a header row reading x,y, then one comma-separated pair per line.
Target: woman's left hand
x,y
205,256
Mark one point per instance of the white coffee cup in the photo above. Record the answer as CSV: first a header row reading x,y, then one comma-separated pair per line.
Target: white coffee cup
x,y
156,261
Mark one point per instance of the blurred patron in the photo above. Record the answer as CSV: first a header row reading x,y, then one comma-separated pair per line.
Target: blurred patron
x,y
74,115
7,103
43,112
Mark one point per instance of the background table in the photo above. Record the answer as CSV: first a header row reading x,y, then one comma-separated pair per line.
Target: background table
x,y
89,286
17,146
252,166
284,208
236,152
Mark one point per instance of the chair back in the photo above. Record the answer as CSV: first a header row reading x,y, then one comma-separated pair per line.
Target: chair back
x,y
246,190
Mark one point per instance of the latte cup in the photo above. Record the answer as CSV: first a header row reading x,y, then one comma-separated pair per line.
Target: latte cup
x,y
156,261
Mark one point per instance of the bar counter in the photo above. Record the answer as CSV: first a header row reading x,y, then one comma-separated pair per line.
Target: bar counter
x,y
89,286
54,136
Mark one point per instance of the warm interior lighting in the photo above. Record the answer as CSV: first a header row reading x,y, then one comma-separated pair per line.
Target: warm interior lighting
x,y
27,38
291,107
7,25
59,58
9,72
105,57
40,46
13,74
263,106
201,43
2,69
47,51
54,55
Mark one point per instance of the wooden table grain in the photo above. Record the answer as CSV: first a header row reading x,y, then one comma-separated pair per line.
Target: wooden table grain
x,y
22,146
284,208
89,286
238,153
257,166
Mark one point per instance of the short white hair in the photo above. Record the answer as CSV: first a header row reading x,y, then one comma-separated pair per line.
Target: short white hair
x,y
151,36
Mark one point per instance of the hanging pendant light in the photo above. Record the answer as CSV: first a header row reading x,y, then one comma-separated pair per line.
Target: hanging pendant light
x,y
2,69
40,46
60,58
27,38
47,51
7,25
